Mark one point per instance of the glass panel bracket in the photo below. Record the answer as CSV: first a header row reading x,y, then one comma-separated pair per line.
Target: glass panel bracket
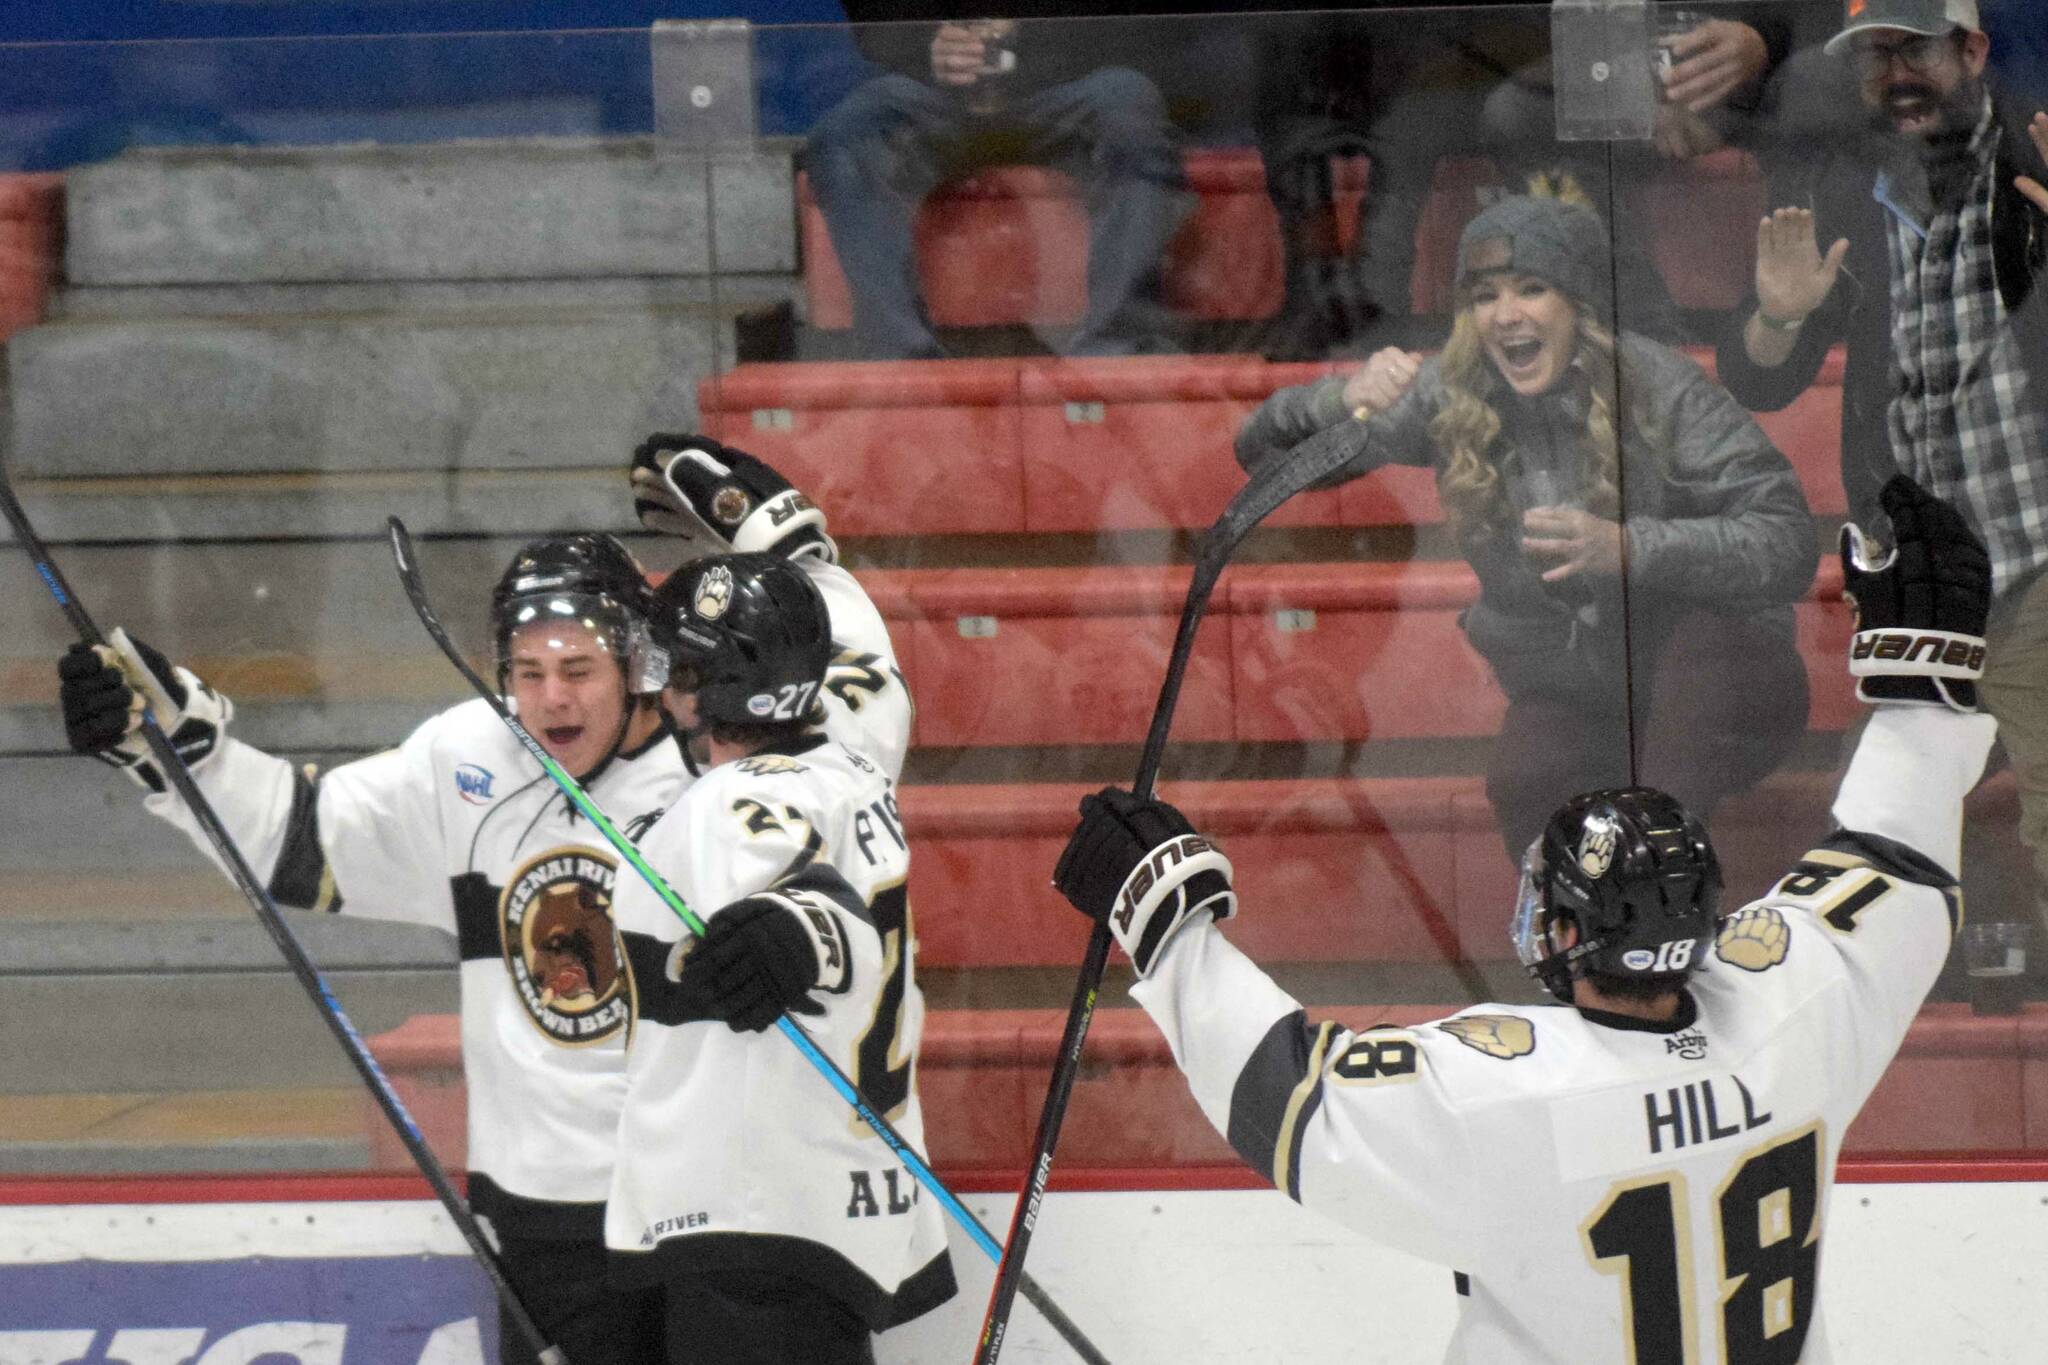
x,y
703,82
1601,57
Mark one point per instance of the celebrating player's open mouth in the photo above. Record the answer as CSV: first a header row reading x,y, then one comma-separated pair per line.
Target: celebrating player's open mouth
x,y
569,690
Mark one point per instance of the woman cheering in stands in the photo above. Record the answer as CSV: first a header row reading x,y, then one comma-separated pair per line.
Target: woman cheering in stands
x,y
1637,538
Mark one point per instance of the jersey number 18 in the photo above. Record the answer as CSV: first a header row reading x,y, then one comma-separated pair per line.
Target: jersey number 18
x,y
1768,1213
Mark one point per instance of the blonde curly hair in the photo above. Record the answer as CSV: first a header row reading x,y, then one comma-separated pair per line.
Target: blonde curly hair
x,y
1468,425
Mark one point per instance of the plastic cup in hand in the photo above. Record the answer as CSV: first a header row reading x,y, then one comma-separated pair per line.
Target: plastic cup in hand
x,y
1542,488
991,88
1995,950
1995,961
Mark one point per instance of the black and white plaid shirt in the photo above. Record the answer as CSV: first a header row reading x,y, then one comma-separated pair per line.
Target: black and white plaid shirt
x,y
1965,422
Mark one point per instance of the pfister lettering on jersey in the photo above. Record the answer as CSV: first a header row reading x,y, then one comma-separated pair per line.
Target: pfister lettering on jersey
x,y
232,1284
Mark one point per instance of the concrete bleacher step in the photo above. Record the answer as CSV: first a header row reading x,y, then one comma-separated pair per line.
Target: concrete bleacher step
x,y
487,377
307,1128
484,209
198,508
500,313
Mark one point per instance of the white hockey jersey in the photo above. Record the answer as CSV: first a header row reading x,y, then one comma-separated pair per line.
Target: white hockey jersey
x,y
733,1150
458,829
1613,1192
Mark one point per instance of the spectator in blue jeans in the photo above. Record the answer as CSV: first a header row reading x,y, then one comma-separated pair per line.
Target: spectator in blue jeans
x,y
985,95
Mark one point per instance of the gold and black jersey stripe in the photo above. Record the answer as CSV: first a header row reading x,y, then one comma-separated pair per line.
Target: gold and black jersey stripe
x,y
1276,1095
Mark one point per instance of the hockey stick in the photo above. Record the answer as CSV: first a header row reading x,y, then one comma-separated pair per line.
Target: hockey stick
x,y
179,777
1307,462
415,589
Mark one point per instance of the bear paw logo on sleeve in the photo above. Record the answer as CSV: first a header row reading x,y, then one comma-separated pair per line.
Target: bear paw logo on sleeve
x,y
1505,1036
1755,939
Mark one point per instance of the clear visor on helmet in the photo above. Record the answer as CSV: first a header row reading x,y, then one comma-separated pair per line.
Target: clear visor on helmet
x,y
557,624
1527,927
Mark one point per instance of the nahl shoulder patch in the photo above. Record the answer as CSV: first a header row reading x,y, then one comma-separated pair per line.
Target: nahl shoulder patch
x,y
767,765
1506,1036
1756,939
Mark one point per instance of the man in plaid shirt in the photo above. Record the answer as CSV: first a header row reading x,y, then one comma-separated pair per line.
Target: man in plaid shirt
x,y
1939,229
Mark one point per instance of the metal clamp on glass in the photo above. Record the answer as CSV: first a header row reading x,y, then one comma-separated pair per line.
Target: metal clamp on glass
x,y
1601,57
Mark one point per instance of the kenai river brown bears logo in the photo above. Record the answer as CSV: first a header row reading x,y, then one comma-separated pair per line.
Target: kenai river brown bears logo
x,y
555,921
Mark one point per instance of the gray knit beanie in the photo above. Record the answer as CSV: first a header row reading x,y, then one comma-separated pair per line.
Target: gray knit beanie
x,y
1548,238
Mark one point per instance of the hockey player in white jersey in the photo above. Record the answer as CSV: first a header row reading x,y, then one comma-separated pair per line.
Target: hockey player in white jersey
x,y
1638,1175
458,829
778,1226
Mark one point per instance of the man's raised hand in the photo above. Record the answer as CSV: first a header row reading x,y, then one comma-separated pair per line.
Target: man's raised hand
x,y
1792,277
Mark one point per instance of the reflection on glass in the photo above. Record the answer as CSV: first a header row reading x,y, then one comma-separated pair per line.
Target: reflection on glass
x,y
260,295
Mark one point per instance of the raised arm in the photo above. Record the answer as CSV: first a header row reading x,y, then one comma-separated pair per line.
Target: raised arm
x,y
366,831
1356,1125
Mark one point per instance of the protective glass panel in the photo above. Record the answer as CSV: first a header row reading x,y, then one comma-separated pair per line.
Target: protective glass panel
x,y
1019,305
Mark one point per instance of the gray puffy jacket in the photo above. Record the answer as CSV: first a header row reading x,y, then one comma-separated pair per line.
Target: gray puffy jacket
x,y
1714,517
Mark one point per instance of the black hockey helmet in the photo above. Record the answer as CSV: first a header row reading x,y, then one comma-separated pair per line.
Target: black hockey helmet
x,y
1633,870
748,634
587,578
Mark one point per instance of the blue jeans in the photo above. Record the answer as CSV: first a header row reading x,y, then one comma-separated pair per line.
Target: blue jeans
x,y
892,141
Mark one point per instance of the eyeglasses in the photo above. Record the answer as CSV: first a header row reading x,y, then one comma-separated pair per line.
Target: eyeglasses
x,y
1919,55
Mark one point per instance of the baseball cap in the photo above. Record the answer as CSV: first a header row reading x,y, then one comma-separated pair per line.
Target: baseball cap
x,y
1914,16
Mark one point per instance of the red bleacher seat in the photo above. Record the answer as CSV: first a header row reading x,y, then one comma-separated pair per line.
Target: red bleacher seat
x,y
1010,245
1703,227
1304,652
892,447
1226,261
1058,656
1130,444
1809,431
1358,652
1961,1083
974,446
1353,870
31,246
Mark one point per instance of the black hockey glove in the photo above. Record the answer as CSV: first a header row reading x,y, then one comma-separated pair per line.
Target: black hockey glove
x,y
1920,610
1141,866
724,499
104,689
763,955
